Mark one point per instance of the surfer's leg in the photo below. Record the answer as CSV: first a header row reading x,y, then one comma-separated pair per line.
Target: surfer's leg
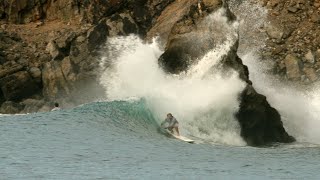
x,y
171,129
177,130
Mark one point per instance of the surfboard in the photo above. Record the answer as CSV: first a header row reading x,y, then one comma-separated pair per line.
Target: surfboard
x,y
182,138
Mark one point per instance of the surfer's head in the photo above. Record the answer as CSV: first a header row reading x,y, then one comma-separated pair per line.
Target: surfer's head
x,y
169,115
56,104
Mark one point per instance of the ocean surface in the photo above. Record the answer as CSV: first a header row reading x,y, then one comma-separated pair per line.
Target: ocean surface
x,y
121,140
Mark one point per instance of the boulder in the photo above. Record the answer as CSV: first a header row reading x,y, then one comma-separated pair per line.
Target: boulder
x,y
309,57
54,83
315,17
168,18
310,73
32,105
292,66
54,50
317,54
10,107
293,9
68,70
35,73
45,108
274,31
260,123
18,86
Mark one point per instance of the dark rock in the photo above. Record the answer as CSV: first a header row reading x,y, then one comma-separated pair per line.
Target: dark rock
x,y
18,86
10,70
260,123
189,41
64,42
122,24
32,105
97,35
10,107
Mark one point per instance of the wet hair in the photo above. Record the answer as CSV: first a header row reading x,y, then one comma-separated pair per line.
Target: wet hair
x,y
56,104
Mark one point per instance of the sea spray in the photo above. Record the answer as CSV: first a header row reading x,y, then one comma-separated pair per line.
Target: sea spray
x,y
204,105
203,99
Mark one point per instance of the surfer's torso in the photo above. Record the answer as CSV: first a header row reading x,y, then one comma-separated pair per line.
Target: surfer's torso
x,y
172,122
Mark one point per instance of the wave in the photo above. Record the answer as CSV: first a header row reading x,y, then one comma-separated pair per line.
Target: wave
x,y
203,104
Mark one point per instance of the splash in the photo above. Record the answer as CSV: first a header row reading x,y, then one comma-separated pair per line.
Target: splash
x,y
203,105
202,99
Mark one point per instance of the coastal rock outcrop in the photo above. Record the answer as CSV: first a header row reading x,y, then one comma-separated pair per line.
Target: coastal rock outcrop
x,y
260,123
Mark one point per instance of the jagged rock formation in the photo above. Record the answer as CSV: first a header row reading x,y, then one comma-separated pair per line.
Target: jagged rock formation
x,y
260,123
53,57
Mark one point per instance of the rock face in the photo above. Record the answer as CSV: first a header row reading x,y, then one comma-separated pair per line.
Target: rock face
x,y
260,123
17,86
293,30
54,55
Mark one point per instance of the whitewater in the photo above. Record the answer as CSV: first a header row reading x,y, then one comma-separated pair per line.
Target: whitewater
x,y
118,137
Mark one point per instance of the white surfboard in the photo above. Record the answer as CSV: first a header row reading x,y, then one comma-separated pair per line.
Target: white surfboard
x,y
182,138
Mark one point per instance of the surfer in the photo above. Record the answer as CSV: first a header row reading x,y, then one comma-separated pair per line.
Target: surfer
x,y
56,107
172,123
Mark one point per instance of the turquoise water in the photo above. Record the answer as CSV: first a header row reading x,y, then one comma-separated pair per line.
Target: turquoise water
x,y
120,140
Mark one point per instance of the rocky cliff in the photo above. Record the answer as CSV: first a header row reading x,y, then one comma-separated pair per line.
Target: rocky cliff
x,y
53,55
49,50
293,39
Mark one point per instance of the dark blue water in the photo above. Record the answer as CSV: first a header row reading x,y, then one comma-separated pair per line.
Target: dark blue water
x,y
120,140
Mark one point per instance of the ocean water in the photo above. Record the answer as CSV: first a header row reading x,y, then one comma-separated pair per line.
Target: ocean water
x,y
120,140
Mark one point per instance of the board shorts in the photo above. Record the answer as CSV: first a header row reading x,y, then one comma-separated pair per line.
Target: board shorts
x,y
175,125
